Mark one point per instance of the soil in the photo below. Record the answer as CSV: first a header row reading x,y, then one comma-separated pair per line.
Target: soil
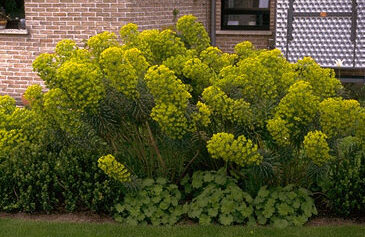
x,y
89,217
81,217
334,221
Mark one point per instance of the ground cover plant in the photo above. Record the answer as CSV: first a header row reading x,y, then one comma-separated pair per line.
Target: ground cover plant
x,y
165,105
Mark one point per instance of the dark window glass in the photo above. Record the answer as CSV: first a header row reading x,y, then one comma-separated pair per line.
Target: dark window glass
x,y
245,14
12,11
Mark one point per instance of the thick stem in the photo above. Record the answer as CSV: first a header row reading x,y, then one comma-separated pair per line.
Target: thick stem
x,y
154,145
188,165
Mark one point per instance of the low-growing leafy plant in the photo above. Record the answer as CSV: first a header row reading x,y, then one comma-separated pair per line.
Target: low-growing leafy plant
x,y
284,206
156,202
217,199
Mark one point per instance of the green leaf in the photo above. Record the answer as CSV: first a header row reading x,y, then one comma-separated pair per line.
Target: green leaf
x,y
204,220
213,212
226,219
263,192
147,182
119,208
161,181
164,205
261,219
280,223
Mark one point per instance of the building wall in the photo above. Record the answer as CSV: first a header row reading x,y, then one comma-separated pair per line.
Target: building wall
x,y
226,39
49,21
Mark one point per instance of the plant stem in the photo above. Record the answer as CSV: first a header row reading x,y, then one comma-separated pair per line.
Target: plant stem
x,y
154,145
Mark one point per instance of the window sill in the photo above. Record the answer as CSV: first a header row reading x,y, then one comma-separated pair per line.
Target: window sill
x,y
244,32
13,32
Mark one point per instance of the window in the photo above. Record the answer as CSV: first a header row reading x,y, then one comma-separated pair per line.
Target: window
x,y
12,14
245,15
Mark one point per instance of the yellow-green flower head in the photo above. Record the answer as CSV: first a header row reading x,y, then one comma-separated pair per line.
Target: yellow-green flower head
x,y
316,147
158,46
339,117
323,81
171,119
360,126
34,95
114,169
276,65
242,151
202,116
299,107
171,97
233,110
120,72
83,83
177,63
65,49
198,73
98,43
258,83
166,87
129,34
46,67
193,33
278,129
216,59
62,110
245,49
135,58
7,104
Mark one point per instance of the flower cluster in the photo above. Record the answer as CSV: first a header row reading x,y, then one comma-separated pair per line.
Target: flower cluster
x,y
298,109
114,169
100,42
193,33
323,81
339,117
279,130
82,82
278,68
171,119
7,104
216,59
20,129
202,116
156,45
316,147
46,67
65,49
258,83
232,110
120,73
171,97
242,151
198,73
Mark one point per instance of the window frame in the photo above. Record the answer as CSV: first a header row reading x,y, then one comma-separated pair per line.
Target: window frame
x,y
263,12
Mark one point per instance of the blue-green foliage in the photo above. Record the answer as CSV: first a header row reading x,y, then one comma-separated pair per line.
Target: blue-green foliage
x,y
216,198
156,202
284,206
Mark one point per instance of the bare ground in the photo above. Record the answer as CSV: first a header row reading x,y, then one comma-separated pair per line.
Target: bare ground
x,y
89,217
81,217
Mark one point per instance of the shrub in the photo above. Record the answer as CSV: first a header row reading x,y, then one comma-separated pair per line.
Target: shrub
x,y
284,206
346,184
163,104
217,198
156,202
83,185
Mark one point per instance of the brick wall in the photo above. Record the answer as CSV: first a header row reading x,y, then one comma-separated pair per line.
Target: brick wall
x,y
227,39
49,21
